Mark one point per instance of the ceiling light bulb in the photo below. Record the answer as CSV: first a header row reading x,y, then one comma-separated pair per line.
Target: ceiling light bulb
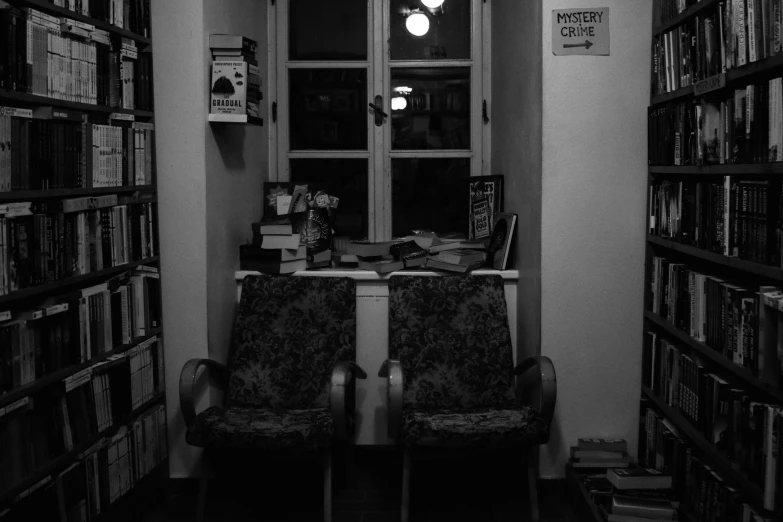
x,y
432,4
417,23
398,103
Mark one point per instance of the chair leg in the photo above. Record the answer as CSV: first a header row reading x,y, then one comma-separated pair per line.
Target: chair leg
x,y
327,462
203,482
532,485
406,486
350,469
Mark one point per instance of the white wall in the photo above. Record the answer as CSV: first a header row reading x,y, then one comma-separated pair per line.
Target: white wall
x,y
179,72
210,180
593,234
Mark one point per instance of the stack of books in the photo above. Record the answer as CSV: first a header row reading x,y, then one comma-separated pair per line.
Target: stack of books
x,y
374,256
600,453
236,80
276,249
640,495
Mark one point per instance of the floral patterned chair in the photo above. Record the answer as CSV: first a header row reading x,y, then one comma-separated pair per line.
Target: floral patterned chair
x,y
291,373
451,374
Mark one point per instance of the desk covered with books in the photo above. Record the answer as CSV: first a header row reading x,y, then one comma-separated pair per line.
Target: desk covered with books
x,y
372,348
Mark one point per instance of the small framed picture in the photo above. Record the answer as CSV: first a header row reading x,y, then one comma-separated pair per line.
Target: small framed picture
x,y
479,188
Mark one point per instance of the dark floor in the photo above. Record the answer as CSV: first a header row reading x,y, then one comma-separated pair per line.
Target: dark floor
x,y
486,488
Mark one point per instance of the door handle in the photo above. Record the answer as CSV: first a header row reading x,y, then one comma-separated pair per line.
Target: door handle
x,y
377,107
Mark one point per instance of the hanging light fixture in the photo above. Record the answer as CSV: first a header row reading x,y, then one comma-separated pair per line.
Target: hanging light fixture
x,y
417,23
432,4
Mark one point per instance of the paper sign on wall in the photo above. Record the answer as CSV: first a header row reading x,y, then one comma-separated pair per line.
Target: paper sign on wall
x,y
580,31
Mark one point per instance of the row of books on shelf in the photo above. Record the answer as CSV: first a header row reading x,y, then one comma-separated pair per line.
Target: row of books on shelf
x,y
733,217
743,126
665,10
49,148
729,35
72,61
132,15
79,236
78,327
704,491
736,322
70,414
741,427
99,477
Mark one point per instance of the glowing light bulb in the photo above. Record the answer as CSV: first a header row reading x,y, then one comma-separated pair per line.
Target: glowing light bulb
x,y
432,4
417,23
398,103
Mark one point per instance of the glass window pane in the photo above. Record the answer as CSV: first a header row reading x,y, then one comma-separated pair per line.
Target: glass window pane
x,y
430,108
345,178
447,29
328,109
429,193
320,30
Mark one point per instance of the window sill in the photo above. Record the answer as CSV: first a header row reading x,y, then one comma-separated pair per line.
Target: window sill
x,y
367,275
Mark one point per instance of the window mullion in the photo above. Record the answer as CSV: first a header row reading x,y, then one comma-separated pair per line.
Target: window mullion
x,y
380,186
282,172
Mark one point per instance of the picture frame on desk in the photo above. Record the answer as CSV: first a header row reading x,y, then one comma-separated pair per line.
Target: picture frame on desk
x,y
479,188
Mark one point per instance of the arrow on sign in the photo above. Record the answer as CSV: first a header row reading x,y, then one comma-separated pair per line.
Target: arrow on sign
x,y
588,44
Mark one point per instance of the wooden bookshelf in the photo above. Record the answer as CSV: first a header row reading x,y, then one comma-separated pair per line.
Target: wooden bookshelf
x,y
670,64
749,267
69,247
63,461
70,282
739,373
23,195
59,375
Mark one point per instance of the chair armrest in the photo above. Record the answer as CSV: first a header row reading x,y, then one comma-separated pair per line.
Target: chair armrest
x,y
342,395
187,379
537,385
392,370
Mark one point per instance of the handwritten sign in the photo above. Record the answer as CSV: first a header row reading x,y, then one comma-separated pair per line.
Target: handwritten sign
x,y
580,31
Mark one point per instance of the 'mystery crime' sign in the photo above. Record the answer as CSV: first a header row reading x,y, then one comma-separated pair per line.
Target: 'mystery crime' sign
x,y
580,31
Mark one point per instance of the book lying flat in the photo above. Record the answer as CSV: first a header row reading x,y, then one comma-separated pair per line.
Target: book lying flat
x,y
602,444
382,266
282,267
368,249
254,253
635,477
437,264
462,256
595,454
454,245
277,227
289,241
648,508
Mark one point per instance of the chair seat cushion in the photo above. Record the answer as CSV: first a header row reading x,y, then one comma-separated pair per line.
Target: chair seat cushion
x,y
481,427
243,427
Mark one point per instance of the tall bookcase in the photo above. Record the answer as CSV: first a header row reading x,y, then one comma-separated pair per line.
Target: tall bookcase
x,y
712,377
82,418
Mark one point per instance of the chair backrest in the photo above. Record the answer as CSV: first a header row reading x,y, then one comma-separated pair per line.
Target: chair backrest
x,y
289,333
451,336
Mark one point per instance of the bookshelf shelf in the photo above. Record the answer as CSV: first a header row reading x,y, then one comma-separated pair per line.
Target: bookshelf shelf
x,y
726,467
19,195
750,267
63,461
702,5
59,375
54,10
73,281
744,169
746,71
741,374
32,99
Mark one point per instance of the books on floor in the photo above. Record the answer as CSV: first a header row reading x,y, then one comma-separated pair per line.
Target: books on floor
x,y
637,477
